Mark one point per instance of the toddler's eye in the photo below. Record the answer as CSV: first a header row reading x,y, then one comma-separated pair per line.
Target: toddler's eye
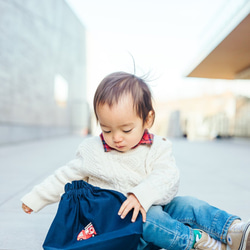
x,y
127,131
106,132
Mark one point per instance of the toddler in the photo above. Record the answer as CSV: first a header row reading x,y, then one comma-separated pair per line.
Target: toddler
x,y
127,158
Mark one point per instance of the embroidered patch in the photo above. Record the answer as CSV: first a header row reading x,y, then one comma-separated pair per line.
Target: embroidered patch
x,y
87,232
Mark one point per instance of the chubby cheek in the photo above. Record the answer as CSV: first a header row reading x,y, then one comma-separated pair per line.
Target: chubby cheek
x,y
107,138
134,140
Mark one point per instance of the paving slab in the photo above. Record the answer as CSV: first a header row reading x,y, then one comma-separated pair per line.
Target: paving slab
x,y
22,166
216,171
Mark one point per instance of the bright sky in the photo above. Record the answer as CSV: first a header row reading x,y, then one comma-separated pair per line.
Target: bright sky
x,y
164,37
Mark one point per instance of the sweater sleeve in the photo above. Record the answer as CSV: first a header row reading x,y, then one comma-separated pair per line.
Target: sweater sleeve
x,y
50,190
162,182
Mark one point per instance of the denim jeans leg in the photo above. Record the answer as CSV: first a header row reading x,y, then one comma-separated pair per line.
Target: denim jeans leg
x,y
199,214
165,232
171,226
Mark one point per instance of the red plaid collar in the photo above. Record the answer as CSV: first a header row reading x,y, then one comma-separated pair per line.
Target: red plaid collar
x,y
147,139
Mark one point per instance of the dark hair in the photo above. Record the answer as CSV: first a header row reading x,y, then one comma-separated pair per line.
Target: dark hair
x,y
115,85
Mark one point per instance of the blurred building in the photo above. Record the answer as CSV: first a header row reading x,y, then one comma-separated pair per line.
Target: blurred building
x,y
226,50
225,54
42,70
206,117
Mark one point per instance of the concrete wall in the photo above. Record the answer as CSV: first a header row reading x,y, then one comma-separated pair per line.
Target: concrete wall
x,y
39,41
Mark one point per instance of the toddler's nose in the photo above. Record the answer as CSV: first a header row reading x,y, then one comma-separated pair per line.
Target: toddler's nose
x,y
117,138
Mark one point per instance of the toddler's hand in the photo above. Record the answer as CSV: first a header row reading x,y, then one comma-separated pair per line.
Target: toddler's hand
x,y
129,204
26,209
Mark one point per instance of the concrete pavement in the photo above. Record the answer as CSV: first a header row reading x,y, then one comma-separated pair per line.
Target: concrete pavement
x,y
215,171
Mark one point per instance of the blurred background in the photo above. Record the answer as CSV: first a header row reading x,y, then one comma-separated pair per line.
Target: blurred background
x,y
195,54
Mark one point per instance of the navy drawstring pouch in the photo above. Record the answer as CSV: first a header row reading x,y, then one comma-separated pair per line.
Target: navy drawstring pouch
x,y
87,218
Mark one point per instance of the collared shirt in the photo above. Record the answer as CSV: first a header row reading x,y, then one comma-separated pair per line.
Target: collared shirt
x,y
147,139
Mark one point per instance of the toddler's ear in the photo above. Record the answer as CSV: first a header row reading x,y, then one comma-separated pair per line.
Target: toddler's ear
x,y
150,119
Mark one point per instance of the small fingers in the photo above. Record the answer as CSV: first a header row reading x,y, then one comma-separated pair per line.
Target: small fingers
x,y
129,204
135,214
124,210
144,214
26,209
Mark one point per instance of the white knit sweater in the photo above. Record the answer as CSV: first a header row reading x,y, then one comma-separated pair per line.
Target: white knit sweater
x,y
149,172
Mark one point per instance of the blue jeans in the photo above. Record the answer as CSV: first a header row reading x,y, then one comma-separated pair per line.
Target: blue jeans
x,y
171,226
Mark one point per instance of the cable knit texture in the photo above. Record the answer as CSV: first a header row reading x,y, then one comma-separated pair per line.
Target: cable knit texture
x,y
147,171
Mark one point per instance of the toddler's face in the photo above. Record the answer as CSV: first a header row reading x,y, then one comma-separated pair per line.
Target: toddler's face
x,y
122,128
